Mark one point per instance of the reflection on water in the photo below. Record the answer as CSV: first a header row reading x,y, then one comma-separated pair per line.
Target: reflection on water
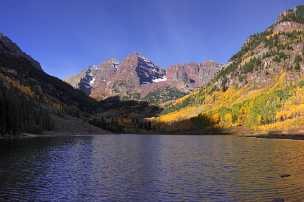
x,y
151,168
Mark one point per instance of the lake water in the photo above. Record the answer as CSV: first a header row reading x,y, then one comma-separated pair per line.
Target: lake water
x,y
151,168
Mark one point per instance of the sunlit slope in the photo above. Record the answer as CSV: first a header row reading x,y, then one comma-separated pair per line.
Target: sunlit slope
x,y
262,86
277,106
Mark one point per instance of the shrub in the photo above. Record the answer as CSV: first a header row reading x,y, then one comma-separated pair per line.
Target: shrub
x,y
297,61
251,65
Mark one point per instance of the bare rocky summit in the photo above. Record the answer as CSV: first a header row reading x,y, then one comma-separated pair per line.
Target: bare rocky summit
x,y
137,77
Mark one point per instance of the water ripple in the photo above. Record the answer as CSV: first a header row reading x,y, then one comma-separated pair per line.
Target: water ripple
x,y
151,168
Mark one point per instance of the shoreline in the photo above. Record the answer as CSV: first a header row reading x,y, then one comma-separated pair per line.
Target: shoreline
x,y
51,134
280,136
240,132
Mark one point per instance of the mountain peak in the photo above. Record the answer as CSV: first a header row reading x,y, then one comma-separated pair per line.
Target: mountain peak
x,y
136,76
292,15
9,48
136,56
111,61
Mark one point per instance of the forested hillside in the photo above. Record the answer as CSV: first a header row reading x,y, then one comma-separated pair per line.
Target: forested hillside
x,y
19,113
29,96
260,88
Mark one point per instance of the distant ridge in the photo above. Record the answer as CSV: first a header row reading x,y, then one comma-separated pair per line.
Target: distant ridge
x,y
137,77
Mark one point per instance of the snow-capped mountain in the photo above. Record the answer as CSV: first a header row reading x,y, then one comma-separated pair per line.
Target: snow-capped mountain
x,y
137,77
88,78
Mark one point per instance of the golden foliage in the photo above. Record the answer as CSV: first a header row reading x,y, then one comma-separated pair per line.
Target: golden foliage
x,y
17,85
227,120
246,107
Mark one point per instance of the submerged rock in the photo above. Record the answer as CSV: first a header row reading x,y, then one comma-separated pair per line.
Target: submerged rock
x,y
284,175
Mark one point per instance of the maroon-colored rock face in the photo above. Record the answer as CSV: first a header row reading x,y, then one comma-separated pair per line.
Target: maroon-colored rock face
x,y
139,69
136,76
194,75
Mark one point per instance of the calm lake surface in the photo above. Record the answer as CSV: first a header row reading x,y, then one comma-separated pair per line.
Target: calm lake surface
x,y
151,168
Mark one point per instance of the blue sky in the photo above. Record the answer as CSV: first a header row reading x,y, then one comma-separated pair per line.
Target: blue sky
x,y
67,35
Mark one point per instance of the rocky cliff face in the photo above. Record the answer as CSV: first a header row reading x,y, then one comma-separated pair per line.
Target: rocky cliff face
x,y
134,72
137,77
194,75
94,75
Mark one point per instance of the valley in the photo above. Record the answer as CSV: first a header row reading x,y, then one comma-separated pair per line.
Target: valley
x,y
260,89
164,100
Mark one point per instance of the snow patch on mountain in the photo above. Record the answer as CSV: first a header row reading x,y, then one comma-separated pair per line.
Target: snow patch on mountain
x,y
160,79
115,63
93,67
92,81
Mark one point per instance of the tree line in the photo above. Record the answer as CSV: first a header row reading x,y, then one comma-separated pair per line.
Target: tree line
x,y
19,113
